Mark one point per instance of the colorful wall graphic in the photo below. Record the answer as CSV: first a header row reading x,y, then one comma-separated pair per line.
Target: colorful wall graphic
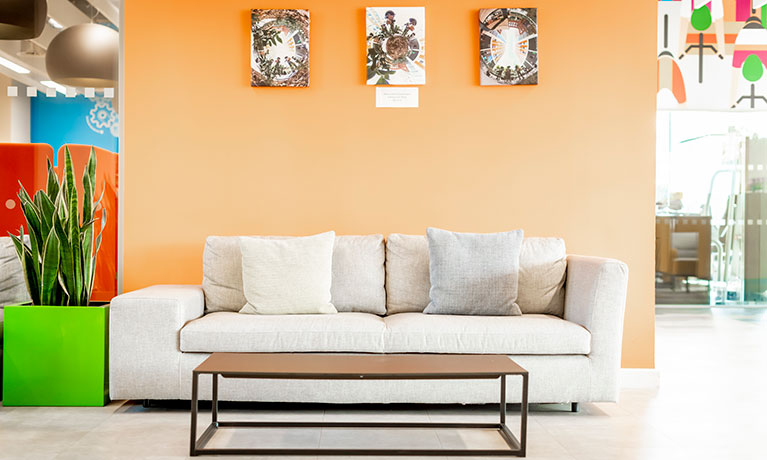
x,y
60,120
712,55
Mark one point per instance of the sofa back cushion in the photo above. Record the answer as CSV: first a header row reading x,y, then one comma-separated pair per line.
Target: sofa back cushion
x,y
542,271
13,286
358,274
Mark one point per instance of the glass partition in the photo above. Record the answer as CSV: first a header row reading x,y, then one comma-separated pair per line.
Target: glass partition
x,y
711,213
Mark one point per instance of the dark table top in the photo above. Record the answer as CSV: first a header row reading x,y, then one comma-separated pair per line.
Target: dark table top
x,y
365,366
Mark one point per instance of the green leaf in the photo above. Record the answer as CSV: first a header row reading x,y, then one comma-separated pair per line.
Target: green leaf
x,y
53,182
66,264
47,209
76,287
50,274
92,268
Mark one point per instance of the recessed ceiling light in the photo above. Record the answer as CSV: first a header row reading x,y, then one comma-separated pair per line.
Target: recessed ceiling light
x,y
54,85
13,66
54,23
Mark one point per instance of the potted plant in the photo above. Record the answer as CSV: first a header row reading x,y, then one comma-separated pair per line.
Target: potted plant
x,y
55,351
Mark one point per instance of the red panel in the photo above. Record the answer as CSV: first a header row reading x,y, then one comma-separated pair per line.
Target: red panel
x,y
25,163
105,283
742,10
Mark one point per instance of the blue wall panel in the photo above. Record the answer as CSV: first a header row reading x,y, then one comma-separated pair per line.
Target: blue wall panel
x,y
79,120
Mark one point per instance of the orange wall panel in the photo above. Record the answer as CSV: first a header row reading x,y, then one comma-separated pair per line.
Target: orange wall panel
x,y
25,164
573,157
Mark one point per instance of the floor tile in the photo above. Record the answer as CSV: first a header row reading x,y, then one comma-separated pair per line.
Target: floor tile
x,y
709,406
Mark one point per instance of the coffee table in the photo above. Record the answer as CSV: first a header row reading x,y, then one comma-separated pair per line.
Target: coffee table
x,y
357,367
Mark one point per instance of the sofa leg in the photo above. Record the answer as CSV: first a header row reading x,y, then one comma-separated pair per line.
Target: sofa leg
x,y
574,407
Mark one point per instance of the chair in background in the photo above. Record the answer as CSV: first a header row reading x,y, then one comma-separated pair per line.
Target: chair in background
x,y
684,255
683,247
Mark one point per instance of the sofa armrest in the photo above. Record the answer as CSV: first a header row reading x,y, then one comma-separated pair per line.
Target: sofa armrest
x,y
595,298
144,351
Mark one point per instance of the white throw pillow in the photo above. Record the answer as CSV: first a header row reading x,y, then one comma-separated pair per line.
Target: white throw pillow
x,y
290,276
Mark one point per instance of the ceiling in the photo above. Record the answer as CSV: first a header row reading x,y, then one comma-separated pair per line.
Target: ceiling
x,y
30,54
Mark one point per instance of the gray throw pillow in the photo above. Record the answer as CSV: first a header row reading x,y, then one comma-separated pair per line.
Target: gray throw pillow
x,y
474,274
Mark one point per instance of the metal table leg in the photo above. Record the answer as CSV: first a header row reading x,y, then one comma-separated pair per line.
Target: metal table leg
x,y
193,431
214,400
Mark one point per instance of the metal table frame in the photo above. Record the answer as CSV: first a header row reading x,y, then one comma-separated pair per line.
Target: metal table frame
x,y
517,447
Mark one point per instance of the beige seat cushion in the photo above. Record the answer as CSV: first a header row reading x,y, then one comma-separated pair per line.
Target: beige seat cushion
x,y
233,332
542,272
518,335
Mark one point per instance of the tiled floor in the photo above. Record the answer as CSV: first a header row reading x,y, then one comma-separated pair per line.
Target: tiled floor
x,y
712,404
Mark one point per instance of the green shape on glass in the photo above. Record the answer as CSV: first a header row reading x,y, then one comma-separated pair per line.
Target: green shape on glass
x,y
753,68
701,18
55,356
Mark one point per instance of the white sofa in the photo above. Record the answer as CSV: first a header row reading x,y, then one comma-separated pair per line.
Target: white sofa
x,y
569,336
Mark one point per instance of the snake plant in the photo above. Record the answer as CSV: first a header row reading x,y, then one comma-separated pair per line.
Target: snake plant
x,y
59,258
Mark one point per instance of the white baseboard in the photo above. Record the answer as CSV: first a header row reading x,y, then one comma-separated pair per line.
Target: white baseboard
x,y
639,378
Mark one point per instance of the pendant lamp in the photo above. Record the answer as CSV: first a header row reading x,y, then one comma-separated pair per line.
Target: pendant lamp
x,y
22,19
84,55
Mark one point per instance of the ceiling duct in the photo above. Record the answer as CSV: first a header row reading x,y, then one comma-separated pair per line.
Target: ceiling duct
x,y
28,48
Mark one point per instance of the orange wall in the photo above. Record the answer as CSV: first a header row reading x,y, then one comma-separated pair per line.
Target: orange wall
x,y
573,157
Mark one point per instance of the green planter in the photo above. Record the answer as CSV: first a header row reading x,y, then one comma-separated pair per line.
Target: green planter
x,y
55,356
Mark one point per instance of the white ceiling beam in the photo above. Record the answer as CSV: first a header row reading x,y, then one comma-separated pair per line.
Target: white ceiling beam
x,y
66,13
9,50
108,9
29,79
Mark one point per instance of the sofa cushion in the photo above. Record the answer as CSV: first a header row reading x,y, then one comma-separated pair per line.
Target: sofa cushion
x,y
233,332
358,274
542,272
474,273
407,273
13,286
519,335
287,276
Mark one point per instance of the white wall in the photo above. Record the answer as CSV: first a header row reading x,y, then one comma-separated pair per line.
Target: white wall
x,y
14,112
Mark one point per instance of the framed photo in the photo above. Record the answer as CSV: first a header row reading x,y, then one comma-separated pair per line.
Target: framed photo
x,y
396,46
279,51
508,46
